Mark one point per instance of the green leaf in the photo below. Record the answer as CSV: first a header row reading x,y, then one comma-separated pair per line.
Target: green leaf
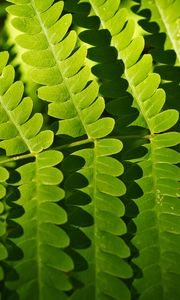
x,y
164,120
101,128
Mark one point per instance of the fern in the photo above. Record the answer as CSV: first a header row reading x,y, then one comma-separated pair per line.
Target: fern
x,y
42,268
90,186
107,264
156,173
19,137
168,11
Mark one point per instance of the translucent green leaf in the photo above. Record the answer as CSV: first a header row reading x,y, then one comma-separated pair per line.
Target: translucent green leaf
x,y
123,39
164,120
131,54
49,158
4,174
29,41
51,15
141,69
6,79
53,235
108,147
65,110
101,127
71,127
43,6
66,46
27,25
73,63
23,10
167,139
42,141
109,165
110,203
115,266
117,246
59,29
116,23
4,56
13,95
110,223
107,9
154,104
148,87
39,58
50,212
110,185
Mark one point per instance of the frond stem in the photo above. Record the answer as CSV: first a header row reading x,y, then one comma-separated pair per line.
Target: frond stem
x,y
15,158
74,144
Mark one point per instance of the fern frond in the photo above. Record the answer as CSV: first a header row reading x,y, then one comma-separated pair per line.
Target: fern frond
x,y
75,101
138,69
19,132
38,192
158,213
158,231
42,271
59,65
169,13
107,267
82,231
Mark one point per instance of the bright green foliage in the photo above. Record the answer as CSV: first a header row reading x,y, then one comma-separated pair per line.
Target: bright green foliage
x,y
17,130
169,13
63,73
42,268
89,177
106,258
157,222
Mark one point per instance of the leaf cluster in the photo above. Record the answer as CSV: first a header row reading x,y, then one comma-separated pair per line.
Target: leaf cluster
x,y
89,150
